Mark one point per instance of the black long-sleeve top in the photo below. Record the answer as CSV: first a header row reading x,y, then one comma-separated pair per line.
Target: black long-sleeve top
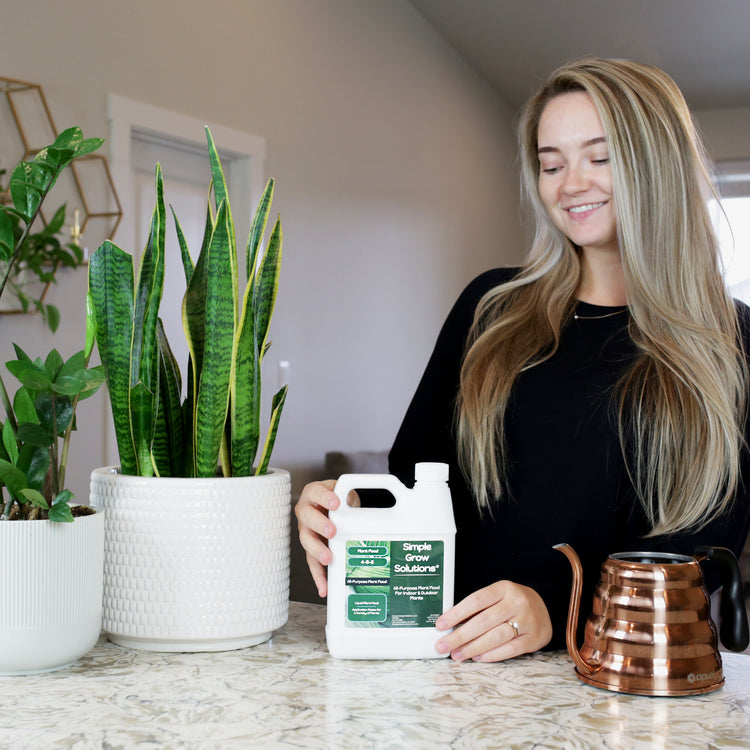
x,y
567,476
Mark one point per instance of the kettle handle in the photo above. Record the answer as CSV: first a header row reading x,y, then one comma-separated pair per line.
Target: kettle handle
x,y
733,628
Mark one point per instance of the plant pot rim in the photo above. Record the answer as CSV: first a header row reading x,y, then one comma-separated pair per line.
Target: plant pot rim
x,y
273,474
98,511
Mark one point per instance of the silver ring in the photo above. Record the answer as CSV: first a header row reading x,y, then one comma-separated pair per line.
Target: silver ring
x,y
514,625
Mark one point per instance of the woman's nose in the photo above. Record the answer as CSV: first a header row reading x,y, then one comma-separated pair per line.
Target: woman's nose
x,y
575,181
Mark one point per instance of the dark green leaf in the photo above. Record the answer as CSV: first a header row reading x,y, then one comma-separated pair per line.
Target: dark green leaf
x,y
267,284
111,290
258,228
55,412
9,442
56,222
13,478
7,240
52,316
35,435
23,406
213,389
168,445
60,512
187,261
143,407
34,462
53,364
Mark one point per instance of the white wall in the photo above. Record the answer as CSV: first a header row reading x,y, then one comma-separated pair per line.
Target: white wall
x,y
395,180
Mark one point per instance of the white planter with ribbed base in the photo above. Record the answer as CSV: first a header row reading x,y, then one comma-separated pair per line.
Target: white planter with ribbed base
x,y
194,564
50,592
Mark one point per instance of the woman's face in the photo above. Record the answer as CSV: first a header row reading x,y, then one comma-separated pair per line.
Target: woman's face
x,y
575,177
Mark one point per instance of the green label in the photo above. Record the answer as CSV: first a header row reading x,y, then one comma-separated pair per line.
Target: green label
x,y
394,584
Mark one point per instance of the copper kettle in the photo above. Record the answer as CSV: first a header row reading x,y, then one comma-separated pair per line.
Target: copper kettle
x,y
650,631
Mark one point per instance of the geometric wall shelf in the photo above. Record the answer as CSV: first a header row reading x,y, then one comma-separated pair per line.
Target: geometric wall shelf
x,y
93,207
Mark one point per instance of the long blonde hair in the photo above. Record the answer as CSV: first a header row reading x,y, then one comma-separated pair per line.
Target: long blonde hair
x,y
682,400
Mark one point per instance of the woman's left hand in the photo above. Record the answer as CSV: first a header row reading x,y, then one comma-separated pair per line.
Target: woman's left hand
x,y
498,622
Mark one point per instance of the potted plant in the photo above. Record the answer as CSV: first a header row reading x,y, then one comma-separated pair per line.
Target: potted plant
x,y
51,597
197,549
41,254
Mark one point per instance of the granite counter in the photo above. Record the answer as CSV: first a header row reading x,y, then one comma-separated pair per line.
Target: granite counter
x,y
289,693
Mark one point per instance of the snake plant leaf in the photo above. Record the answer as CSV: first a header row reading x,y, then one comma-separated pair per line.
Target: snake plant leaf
x,y
142,403
276,408
90,328
267,285
193,308
221,195
144,356
168,445
187,261
213,389
245,389
258,228
111,287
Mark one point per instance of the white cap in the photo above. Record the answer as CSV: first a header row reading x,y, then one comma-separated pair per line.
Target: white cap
x,y
431,472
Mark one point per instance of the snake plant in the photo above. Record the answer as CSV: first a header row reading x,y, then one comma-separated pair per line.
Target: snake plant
x,y
218,423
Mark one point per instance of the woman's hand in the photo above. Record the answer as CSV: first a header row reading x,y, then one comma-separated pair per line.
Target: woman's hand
x,y
315,528
482,624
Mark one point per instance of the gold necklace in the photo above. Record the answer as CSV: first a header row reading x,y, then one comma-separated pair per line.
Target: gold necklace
x,y
576,316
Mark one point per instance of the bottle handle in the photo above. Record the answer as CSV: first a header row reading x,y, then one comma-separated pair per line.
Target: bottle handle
x,y
348,482
733,614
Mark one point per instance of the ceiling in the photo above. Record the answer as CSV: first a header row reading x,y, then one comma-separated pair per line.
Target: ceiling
x,y
514,44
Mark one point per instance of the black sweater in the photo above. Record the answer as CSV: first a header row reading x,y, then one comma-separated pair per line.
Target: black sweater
x,y
567,476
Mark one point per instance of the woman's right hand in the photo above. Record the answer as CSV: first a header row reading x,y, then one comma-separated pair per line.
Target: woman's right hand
x,y
315,528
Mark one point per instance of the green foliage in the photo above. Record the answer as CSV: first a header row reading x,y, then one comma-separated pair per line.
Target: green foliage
x,y
30,183
40,256
38,422
218,424
37,430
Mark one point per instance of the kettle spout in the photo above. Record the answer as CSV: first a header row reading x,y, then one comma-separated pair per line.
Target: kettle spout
x,y
574,609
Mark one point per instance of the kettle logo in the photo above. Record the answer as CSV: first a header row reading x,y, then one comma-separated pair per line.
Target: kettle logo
x,y
692,677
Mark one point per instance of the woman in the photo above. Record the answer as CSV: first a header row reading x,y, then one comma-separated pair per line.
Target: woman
x,y
596,396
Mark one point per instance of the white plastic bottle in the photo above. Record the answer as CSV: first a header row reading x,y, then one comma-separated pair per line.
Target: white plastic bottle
x,y
391,573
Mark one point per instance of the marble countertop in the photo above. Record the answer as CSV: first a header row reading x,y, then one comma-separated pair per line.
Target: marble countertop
x,y
289,693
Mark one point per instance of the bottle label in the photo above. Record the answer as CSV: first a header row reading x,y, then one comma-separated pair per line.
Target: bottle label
x,y
394,584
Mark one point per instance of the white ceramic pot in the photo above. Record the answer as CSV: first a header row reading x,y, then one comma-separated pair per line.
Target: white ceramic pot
x,y
194,564
50,592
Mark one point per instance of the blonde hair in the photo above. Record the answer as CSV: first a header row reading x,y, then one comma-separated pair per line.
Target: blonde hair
x,y
682,400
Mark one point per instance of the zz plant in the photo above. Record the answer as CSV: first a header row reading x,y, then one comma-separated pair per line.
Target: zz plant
x,y
37,423
218,423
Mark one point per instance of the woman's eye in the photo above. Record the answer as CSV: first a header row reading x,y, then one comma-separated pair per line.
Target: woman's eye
x,y
605,160
551,170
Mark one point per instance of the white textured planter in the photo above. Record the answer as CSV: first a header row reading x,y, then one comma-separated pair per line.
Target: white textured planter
x,y
194,564
50,593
